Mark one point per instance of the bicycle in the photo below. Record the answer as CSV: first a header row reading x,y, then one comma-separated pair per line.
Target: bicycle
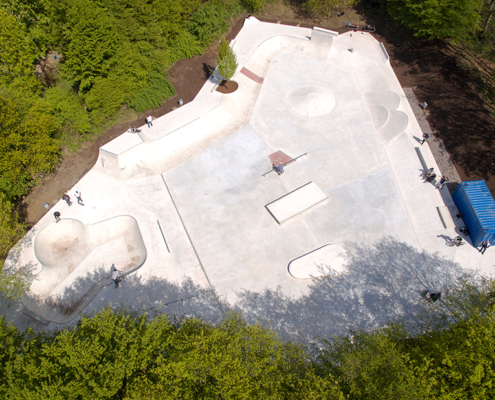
x,y
456,242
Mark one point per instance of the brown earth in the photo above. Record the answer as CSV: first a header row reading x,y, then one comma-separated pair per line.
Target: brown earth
x,y
456,113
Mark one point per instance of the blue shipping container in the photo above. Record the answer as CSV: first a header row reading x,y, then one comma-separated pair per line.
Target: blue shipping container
x,y
477,206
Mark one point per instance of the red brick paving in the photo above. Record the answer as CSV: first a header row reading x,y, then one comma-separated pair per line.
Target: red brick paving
x,y
280,157
252,75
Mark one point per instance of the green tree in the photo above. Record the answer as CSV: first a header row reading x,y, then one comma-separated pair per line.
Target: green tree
x,y
208,23
120,355
18,54
375,365
27,148
253,5
434,18
92,41
13,283
227,60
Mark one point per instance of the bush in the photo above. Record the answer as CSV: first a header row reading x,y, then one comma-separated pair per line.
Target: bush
x,y
208,23
253,5
185,46
152,95
320,8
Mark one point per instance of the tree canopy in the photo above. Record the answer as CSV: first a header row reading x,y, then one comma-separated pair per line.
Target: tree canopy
x,y
126,355
434,18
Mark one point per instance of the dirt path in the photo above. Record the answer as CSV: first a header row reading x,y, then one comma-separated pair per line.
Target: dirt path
x,y
454,112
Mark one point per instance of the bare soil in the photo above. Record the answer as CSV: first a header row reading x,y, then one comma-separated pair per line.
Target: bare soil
x,y
456,113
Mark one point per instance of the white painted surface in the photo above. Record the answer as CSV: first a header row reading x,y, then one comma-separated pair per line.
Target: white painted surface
x,y
296,202
328,260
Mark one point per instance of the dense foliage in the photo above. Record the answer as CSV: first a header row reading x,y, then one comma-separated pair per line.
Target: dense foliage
x,y
119,355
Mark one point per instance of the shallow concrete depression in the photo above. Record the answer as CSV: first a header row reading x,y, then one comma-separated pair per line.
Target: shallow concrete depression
x,y
329,260
311,100
77,259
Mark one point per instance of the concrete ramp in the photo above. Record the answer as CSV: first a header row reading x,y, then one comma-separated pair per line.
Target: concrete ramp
x,y
396,124
296,202
379,115
108,163
371,78
322,40
390,100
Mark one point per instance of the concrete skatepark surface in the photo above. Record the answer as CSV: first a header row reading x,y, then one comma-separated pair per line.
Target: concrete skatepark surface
x,y
194,185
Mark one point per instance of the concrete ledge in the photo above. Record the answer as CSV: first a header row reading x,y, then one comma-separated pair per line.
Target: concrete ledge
x,y
384,51
328,260
122,143
325,31
296,202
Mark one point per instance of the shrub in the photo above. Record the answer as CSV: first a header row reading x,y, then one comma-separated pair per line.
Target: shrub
x,y
253,5
208,23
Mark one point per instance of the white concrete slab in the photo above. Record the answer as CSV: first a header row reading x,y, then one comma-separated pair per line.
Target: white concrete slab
x,y
296,202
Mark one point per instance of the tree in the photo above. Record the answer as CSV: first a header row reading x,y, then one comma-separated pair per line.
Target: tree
x,y
92,41
13,283
27,148
126,355
253,5
433,18
227,61
374,365
18,54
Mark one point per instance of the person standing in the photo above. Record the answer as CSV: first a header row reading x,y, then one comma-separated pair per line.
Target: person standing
x,y
116,276
280,169
66,197
425,137
56,214
484,246
78,195
424,105
149,120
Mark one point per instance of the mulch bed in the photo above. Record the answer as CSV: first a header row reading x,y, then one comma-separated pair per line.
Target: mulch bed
x,y
228,87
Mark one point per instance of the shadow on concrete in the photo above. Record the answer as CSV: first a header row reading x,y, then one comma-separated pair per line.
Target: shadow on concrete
x,y
383,284
152,296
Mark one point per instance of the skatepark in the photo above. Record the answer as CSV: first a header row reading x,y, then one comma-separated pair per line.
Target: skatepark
x,y
193,212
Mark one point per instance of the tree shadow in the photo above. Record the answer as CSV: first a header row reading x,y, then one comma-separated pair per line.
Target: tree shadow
x,y
383,284
96,290
208,70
